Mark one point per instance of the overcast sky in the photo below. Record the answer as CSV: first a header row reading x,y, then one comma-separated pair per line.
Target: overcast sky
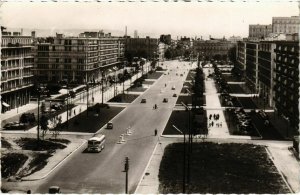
x,y
183,19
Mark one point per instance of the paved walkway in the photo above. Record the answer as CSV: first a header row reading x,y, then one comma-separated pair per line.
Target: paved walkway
x,y
212,101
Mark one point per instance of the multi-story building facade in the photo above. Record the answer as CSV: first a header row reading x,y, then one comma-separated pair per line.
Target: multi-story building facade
x,y
271,70
258,31
251,71
287,25
286,78
266,66
82,59
142,47
210,48
17,61
240,66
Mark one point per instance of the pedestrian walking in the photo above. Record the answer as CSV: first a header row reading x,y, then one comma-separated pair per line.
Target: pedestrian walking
x,y
212,123
220,124
155,132
210,117
74,112
214,116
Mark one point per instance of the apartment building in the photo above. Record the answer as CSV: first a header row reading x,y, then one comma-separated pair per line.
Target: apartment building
x,y
286,81
266,72
251,71
258,31
287,25
17,61
240,66
211,48
83,59
142,47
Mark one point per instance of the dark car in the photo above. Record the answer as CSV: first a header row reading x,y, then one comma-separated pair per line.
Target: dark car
x,y
165,100
263,115
109,125
54,190
143,101
56,107
174,95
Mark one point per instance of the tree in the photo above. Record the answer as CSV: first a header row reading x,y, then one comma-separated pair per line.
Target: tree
x,y
44,124
168,54
56,126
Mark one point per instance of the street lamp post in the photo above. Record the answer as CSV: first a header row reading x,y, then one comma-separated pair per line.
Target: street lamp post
x,y
38,116
288,124
190,141
87,99
18,100
183,179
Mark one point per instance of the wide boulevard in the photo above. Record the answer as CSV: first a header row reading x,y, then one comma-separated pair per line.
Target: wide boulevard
x,y
103,172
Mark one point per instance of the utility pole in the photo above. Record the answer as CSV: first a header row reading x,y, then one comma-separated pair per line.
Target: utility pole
x,y
38,116
87,100
184,151
126,169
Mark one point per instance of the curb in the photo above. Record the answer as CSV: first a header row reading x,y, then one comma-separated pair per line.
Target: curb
x,y
280,172
66,157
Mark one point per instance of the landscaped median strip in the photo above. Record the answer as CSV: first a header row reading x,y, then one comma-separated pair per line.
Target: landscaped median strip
x,y
55,162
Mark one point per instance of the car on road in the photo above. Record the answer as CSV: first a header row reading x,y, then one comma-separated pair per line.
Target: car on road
x,y
165,100
181,75
143,101
109,125
54,190
174,95
173,87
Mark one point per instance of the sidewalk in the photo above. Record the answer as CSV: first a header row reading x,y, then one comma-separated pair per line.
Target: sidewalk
x,y
212,101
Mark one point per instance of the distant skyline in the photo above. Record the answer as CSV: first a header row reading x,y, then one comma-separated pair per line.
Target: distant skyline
x,y
178,19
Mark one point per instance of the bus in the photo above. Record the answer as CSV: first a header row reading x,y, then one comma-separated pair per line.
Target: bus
x,y
96,144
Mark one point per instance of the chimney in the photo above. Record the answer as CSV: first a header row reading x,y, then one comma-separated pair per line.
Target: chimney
x,y
21,31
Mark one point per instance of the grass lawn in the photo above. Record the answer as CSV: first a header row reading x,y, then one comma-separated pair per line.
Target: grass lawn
x,y
92,122
137,89
191,75
11,163
221,168
124,98
247,102
236,88
148,82
155,75
180,120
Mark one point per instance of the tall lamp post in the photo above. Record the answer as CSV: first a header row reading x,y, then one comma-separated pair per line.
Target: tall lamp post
x,y
87,99
18,102
102,90
190,141
38,115
183,176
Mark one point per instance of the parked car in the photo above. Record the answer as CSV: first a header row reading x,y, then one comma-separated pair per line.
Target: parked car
x,y
174,95
57,106
109,125
54,190
263,115
143,101
165,100
173,88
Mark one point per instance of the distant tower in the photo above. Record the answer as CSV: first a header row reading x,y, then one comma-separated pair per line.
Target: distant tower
x,y
135,34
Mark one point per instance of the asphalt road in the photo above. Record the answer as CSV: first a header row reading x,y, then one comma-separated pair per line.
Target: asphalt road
x,y
103,172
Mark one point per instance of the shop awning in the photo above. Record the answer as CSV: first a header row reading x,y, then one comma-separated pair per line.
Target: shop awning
x,y
5,104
